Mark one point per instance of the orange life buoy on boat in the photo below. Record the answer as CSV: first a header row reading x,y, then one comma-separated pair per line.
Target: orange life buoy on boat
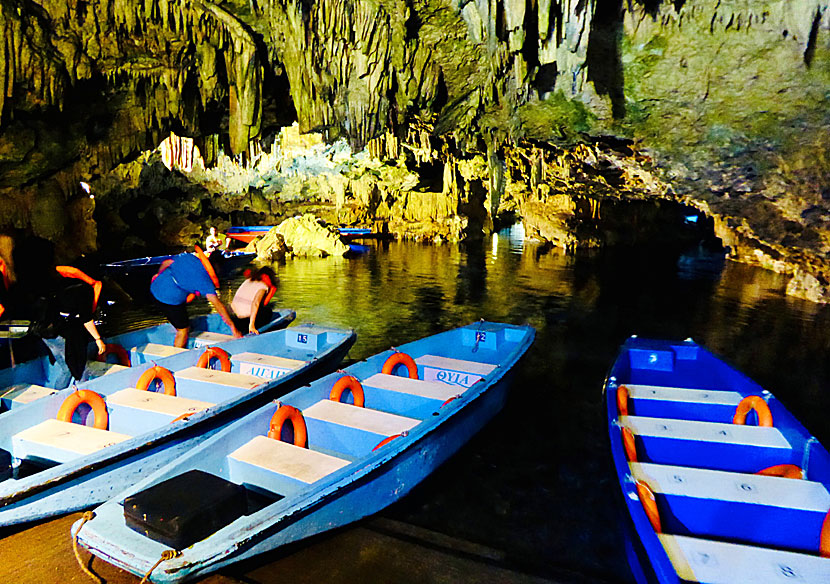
x,y
387,440
824,541
399,358
215,353
293,415
787,471
649,503
351,383
117,350
92,399
757,403
160,373
629,443
623,395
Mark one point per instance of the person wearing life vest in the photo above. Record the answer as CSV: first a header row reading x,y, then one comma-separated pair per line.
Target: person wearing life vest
x,y
178,280
60,302
250,303
213,242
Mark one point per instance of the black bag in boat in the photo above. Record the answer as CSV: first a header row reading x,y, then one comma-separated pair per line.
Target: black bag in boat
x,y
185,509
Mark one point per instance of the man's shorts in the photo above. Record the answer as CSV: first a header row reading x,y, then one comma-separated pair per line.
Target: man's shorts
x,y
176,314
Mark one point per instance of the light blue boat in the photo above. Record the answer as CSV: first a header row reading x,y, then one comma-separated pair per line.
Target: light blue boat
x,y
36,378
59,464
357,460
722,484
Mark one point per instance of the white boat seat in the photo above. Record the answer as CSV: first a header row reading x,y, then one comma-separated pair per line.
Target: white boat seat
x,y
365,419
97,368
450,364
706,431
219,377
18,395
62,441
716,562
270,366
733,487
207,338
286,459
151,401
158,350
680,394
427,389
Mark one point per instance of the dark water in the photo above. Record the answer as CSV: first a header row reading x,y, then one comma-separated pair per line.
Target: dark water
x,y
537,484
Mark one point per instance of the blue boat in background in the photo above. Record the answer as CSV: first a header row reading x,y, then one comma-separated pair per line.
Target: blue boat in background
x,y
326,455
721,482
52,462
33,379
148,266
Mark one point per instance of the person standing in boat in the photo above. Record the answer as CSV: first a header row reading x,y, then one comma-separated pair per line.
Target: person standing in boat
x,y
60,302
213,242
250,303
178,281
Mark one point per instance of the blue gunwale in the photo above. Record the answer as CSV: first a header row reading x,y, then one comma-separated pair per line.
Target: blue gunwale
x,y
369,482
67,486
712,374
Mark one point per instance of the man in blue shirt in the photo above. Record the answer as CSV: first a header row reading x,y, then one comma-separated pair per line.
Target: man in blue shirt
x,y
177,281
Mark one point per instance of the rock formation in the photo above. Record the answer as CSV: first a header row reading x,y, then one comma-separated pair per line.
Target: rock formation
x,y
562,113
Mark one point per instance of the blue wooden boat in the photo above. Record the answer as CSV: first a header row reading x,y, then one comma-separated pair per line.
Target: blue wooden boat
x,y
326,455
36,378
52,462
722,484
248,234
148,266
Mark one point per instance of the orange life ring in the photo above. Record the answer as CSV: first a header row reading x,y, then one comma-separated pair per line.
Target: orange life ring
x,y
399,358
757,403
92,399
386,441
787,471
160,373
293,415
351,383
623,395
649,506
450,399
629,443
824,541
117,350
183,416
215,353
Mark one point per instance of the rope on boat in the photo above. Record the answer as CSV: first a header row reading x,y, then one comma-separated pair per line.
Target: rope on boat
x,y
165,555
86,517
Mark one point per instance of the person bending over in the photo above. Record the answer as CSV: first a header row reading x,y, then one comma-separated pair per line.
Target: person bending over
x,y
250,303
178,281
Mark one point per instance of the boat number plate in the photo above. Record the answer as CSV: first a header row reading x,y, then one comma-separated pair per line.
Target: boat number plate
x,y
481,337
302,339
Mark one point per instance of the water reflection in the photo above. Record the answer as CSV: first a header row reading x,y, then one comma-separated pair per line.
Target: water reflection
x,y
537,483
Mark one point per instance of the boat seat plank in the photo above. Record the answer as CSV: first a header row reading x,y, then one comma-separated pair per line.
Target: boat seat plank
x,y
427,389
270,366
364,419
733,487
679,394
706,431
286,459
207,338
219,377
451,364
62,441
158,350
156,402
97,368
18,395
716,562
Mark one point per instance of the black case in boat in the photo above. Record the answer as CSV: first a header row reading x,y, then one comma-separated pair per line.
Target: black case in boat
x,y
185,509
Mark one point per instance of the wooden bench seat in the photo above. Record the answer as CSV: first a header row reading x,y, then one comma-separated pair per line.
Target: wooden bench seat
x,y
62,441
97,368
208,338
18,395
364,419
159,351
201,374
716,562
681,394
150,401
301,464
270,366
451,364
427,389
715,445
707,405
